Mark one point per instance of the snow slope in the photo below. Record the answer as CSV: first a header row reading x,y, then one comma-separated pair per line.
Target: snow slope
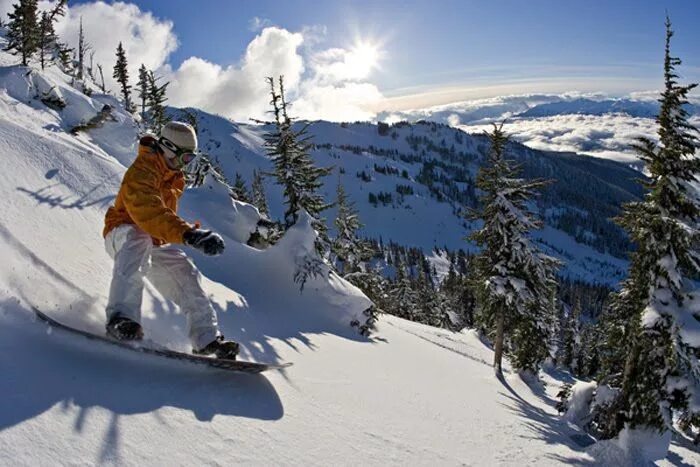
x,y
411,395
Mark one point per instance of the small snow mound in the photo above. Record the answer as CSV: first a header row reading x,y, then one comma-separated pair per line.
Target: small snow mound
x,y
633,446
227,216
580,401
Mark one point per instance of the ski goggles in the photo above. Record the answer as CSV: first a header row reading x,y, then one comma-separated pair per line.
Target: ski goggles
x,y
182,156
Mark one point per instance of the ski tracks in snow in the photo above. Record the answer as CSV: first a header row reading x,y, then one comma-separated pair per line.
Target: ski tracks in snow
x,y
446,346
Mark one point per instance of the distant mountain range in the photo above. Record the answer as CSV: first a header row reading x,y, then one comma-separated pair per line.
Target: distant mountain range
x,y
583,106
594,125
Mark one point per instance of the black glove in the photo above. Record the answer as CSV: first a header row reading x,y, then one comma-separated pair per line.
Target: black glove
x,y
210,243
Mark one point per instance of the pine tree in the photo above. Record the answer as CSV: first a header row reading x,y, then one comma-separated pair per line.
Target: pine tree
x,y
49,46
84,47
142,87
445,312
47,37
402,297
259,197
347,247
91,67
23,30
658,300
427,303
460,298
353,255
571,338
102,79
121,74
155,102
294,168
589,354
65,57
239,191
619,324
513,280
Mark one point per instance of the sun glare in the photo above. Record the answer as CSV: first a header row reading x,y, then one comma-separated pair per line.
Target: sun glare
x,y
363,58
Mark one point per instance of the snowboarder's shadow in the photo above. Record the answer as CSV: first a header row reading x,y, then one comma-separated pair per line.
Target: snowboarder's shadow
x,y
84,377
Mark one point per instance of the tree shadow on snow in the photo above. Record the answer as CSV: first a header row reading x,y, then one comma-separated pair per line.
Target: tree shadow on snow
x,y
45,196
59,369
543,425
553,430
256,328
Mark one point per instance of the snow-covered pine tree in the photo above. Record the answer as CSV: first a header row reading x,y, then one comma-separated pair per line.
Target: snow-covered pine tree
x,y
571,337
444,313
660,300
48,40
349,250
589,354
142,89
352,254
259,196
459,297
294,169
513,280
239,190
619,324
65,59
121,74
155,102
426,306
23,30
402,298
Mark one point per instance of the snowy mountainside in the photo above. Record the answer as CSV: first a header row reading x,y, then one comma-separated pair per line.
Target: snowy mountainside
x,y
426,173
413,394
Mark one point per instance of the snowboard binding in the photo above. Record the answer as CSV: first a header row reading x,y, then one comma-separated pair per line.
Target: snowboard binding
x,y
220,348
124,329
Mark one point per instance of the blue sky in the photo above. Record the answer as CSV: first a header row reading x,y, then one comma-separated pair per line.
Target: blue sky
x,y
429,44
351,60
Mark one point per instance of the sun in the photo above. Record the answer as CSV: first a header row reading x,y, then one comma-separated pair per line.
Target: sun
x,y
363,58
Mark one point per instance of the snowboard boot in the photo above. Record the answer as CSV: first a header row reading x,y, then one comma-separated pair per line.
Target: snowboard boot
x,y
220,348
124,329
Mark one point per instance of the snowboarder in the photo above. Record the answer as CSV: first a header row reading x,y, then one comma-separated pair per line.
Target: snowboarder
x,y
141,231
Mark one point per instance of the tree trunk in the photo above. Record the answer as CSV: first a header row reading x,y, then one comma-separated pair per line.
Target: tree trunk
x,y
498,345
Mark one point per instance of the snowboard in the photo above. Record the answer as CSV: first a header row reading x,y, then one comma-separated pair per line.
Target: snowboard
x,y
136,346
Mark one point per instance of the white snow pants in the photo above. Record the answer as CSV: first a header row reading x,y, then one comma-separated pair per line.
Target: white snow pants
x,y
170,271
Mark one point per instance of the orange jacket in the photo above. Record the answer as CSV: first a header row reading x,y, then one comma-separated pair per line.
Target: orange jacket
x,y
148,198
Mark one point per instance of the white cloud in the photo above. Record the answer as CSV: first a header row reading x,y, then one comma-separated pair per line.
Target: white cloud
x,y
239,92
333,86
323,84
338,64
338,102
146,38
608,136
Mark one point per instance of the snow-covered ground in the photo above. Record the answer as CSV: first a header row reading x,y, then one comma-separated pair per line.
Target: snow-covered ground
x,y
410,395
